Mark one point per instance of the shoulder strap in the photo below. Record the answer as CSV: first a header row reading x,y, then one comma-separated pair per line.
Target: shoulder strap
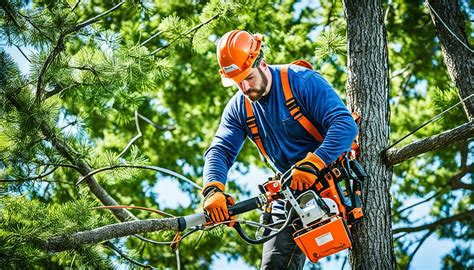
x,y
294,109
252,125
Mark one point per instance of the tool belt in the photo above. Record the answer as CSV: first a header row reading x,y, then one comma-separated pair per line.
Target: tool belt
x,y
342,182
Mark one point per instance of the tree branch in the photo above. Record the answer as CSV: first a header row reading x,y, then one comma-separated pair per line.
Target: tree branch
x,y
81,165
21,51
328,19
454,182
76,240
464,153
27,18
465,215
137,125
435,142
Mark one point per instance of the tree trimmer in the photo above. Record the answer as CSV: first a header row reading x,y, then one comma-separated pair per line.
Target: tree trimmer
x,y
321,215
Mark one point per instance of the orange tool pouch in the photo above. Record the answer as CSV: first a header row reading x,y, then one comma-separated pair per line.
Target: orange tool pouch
x,y
324,238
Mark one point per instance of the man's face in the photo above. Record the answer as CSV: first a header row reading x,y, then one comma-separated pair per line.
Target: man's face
x,y
254,85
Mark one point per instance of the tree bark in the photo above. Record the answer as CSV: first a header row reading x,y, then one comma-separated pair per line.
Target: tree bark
x,y
368,93
458,58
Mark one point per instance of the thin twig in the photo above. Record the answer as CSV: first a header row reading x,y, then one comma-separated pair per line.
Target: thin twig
x,y
149,167
93,71
161,213
123,255
461,216
428,234
134,138
152,37
95,19
75,5
58,89
137,125
464,153
328,20
162,128
29,179
9,13
18,47
442,191
61,165
186,33
27,18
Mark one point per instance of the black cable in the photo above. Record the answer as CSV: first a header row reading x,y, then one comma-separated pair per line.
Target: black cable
x,y
247,239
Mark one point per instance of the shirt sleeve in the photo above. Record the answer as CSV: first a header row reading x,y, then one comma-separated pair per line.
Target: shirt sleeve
x,y
226,144
323,104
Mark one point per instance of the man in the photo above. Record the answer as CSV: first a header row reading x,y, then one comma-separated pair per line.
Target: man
x,y
282,139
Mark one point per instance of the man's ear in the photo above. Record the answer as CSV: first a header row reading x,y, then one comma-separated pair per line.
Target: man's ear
x,y
263,63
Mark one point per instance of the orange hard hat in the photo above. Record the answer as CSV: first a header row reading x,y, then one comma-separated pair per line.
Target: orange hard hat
x,y
237,51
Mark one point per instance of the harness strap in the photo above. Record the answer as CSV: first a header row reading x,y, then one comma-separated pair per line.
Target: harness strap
x,y
251,122
294,109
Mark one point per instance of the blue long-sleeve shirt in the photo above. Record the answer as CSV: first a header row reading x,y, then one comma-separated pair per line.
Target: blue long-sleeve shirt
x,y
284,139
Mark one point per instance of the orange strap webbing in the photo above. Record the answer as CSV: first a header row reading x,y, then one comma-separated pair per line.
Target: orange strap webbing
x,y
251,122
294,109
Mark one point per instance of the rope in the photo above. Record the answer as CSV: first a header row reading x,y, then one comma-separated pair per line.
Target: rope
x,y
427,122
450,31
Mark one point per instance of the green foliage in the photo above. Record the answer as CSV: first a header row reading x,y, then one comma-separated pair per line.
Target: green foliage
x,y
158,58
459,258
23,238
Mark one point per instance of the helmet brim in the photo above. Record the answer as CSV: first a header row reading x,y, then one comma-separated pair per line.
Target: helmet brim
x,y
228,82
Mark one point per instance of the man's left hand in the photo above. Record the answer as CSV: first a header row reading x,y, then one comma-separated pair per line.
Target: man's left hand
x,y
306,171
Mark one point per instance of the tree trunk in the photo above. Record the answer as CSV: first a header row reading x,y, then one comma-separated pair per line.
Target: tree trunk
x,y
368,93
458,58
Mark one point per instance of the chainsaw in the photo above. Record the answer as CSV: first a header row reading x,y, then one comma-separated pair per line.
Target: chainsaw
x,y
321,216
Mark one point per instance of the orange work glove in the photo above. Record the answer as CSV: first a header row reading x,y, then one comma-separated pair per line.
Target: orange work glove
x,y
215,202
306,172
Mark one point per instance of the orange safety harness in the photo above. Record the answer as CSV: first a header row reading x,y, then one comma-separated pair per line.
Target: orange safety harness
x,y
335,182
295,112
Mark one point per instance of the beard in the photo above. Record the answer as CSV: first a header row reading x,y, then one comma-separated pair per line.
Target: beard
x,y
254,94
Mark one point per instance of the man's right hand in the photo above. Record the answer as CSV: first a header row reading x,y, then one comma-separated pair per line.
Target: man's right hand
x,y
215,201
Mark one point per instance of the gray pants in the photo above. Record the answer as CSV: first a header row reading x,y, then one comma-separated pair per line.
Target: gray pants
x,y
281,252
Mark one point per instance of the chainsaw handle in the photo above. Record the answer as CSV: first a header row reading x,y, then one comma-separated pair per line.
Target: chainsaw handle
x,y
244,206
